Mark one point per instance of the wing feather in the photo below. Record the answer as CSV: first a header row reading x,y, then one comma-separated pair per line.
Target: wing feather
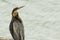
x,y
18,30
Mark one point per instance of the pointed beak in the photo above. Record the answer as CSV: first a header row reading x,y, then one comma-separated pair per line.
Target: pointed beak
x,y
15,9
20,7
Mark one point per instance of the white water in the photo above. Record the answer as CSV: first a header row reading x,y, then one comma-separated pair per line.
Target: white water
x,y
41,18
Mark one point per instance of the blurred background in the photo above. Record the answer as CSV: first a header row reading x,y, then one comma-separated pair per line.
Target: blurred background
x,y
41,18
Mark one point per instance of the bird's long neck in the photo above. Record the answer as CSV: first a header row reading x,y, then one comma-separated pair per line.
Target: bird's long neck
x,y
16,19
15,15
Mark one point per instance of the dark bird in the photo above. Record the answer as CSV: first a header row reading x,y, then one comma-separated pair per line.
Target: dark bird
x,y
16,25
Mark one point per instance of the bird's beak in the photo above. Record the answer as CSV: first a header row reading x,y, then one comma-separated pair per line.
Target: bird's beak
x,y
15,9
20,7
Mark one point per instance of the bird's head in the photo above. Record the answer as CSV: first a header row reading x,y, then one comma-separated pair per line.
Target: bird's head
x,y
14,12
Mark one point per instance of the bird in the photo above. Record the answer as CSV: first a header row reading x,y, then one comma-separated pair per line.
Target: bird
x,y
16,26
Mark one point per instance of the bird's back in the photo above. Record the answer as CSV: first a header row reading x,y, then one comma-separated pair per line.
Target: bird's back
x,y
18,30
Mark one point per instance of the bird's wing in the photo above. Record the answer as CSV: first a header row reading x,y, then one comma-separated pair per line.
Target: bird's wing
x,y
18,30
11,28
